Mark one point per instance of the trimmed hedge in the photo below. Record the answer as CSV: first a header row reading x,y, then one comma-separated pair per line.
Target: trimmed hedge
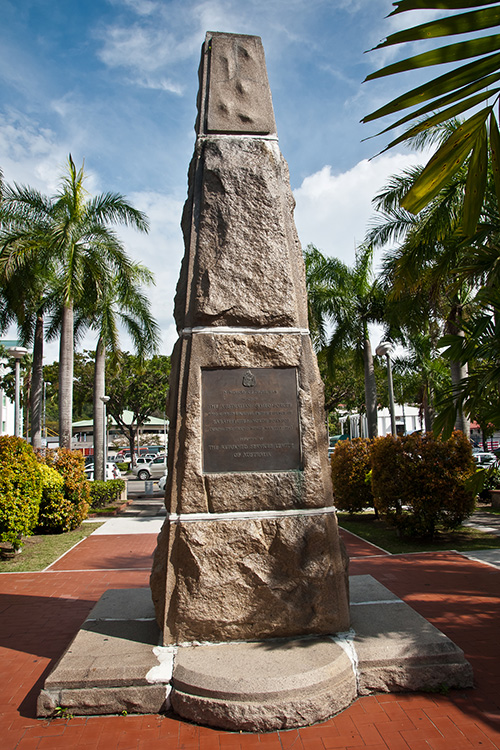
x,y
351,466
20,490
104,493
419,482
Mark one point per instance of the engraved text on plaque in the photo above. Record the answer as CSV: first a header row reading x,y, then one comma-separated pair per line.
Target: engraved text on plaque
x,y
250,420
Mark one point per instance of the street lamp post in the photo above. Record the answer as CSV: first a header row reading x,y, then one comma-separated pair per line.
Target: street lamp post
x,y
104,400
385,348
18,353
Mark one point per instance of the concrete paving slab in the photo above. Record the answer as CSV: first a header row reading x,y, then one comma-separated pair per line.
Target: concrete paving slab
x,y
133,525
124,604
251,686
488,556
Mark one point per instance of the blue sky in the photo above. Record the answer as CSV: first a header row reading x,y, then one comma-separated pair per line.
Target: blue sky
x,y
114,82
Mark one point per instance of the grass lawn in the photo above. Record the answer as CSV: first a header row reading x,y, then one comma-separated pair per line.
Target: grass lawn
x,y
41,550
382,534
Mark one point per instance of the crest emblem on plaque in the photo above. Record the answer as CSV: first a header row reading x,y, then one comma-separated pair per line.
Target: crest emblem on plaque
x,y
249,379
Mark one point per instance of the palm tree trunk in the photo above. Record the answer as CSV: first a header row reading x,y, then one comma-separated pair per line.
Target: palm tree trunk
x,y
37,385
458,371
370,389
66,357
98,410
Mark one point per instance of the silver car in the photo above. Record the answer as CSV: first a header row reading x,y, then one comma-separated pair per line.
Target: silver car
x,y
155,468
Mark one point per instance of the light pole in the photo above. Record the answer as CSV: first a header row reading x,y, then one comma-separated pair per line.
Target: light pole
x,y
45,384
386,348
104,400
18,353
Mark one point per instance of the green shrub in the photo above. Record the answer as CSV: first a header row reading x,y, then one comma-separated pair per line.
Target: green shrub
x,y
420,482
56,512
20,490
104,493
351,466
387,459
123,466
70,465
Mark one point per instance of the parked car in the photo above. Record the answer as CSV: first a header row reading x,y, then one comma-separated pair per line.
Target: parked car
x,y
112,471
484,459
162,482
151,470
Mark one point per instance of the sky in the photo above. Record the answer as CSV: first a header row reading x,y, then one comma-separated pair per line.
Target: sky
x,y
114,83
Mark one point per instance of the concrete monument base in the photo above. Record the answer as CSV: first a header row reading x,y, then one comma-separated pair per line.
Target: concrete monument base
x,y
114,664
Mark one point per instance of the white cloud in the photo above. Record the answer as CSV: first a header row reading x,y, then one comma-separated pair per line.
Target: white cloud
x,y
333,211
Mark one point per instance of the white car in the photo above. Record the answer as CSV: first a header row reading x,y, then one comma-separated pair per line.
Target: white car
x,y
112,471
162,482
482,458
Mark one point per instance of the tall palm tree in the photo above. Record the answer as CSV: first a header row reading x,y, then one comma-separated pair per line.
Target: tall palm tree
x,y
90,256
79,241
122,301
348,299
27,276
419,274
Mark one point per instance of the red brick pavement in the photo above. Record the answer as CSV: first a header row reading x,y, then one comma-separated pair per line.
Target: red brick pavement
x,y
40,613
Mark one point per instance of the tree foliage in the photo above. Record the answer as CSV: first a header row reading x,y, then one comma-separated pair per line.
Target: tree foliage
x,y
473,86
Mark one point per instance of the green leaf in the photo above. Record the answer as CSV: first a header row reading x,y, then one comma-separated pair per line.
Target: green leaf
x,y
445,162
404,5
445,100
442,55
463,23
495,154
476,183
439,117
451,81
475,483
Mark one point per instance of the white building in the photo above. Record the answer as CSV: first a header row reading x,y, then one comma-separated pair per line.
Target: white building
x,y
407,421
7,409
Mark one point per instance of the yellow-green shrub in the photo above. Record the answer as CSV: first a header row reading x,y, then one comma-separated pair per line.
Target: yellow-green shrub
x,y
351,465
20,490
56,512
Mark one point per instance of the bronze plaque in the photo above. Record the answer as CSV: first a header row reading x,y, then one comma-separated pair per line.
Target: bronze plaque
x,y
250,420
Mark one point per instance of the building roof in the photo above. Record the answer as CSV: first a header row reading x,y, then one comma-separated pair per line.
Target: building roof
x,y
128,418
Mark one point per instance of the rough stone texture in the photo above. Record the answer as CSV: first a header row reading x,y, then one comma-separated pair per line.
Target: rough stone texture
x,y
140,699
243,269
250,579
263,686
240,99
243,264
401,651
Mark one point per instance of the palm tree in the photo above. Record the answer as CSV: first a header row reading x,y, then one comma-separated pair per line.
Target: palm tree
x,y
419,275
27,276
347,299
446,97
79,241
90,256
122,301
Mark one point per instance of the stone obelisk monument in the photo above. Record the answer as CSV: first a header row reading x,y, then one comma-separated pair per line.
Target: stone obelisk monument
x,y
250,547
249,557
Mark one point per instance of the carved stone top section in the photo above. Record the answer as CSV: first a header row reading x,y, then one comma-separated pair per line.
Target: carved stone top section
x,y
234,91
